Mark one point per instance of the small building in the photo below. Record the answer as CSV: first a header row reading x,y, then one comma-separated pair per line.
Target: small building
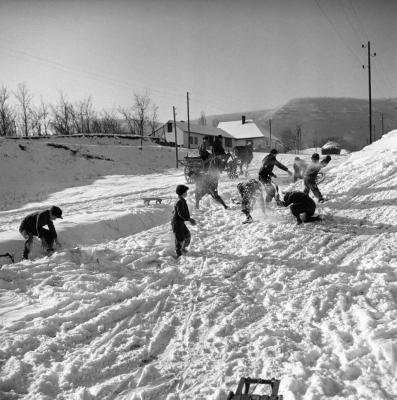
x,y
331,147
165,134
246,131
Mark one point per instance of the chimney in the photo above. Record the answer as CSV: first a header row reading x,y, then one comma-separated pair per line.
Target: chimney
x,y
243,119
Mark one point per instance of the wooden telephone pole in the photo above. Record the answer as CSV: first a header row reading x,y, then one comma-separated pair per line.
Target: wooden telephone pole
x,y
188,121
368,46
176,139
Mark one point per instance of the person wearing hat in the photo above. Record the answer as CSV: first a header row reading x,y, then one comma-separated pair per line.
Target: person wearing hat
x,y
300,204
179,217
217,147
310,175
266,173
32,225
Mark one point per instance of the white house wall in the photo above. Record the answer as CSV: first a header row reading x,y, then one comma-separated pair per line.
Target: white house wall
x,y
170,136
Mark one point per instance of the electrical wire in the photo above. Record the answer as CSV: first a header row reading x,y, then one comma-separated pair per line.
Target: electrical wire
x,y
337,32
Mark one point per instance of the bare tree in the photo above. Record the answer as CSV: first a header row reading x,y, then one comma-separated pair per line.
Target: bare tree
x,y
110,124
153,119
83,115
298,132
141,116
36,121
45,114
24,99
63,114
203,119
129,119
7,116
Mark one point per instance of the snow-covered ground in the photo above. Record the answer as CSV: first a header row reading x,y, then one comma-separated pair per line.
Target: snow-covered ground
x,y
112,315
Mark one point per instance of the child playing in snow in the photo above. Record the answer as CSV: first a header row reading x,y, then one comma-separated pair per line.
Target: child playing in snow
x,y
299,168
250,191
32,225
266,173
207,183
310,175
300,203
180,216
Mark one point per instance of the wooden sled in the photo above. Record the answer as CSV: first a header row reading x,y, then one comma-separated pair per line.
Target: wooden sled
x,y
147,200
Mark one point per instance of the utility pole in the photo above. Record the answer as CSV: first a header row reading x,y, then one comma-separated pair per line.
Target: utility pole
x,y
270,131
369,87
383,132
188,121
176,139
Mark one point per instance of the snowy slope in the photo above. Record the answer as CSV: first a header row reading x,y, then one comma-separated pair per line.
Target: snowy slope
x,y
113,316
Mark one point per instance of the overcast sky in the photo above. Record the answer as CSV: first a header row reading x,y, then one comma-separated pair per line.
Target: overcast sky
x,y
229,55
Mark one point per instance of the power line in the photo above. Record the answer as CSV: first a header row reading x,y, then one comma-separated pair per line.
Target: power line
x,y
337,32
91,74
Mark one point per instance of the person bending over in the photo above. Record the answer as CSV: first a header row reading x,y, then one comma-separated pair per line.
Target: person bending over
x,y
32,225
301,205
250,191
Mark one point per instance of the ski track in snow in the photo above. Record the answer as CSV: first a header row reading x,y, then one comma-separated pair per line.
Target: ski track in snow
x,y
313,305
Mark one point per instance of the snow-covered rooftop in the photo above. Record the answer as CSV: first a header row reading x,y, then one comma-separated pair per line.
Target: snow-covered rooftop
x,y
238,130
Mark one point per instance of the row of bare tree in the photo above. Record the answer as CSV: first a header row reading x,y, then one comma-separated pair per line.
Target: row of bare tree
x,y
21,116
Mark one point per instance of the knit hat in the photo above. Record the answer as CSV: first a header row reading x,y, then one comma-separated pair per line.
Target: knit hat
x,y
315,156
274,151
180,189
56,212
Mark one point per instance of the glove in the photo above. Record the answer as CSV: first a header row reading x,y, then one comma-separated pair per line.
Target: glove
x,y
192,221
289,173
328,158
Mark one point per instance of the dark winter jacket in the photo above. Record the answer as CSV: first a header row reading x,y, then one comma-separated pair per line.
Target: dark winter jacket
x,y
297,197
268,163
33,224
314,168
180,213
217,147
203,150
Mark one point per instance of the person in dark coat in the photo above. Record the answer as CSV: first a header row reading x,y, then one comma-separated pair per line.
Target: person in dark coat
x,y
310,175
268,163
217,146
207,183
203,149
300,204
32,225
179,217
250,191
266,173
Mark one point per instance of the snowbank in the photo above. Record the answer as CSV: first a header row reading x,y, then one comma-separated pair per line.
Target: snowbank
x,y
313,305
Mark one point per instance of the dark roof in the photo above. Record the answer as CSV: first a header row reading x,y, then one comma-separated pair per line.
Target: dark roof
x,y
201,129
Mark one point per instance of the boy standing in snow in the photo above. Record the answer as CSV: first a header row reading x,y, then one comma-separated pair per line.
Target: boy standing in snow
x,y
300,203
250,191
180,216
32,225
310,175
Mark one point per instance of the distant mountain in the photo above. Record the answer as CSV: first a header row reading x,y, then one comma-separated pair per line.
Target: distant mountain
x,y
319,119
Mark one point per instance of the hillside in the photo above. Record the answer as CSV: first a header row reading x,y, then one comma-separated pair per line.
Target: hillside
x,y
321,118
113,316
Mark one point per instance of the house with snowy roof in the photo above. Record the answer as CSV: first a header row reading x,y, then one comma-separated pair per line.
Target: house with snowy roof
x,y
246,131
331,147
192,133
